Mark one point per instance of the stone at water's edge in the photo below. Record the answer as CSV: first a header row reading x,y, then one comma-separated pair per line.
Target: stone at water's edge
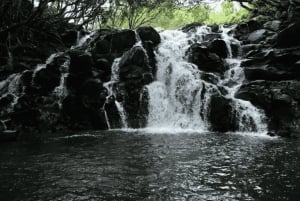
x,y
280,101
221,114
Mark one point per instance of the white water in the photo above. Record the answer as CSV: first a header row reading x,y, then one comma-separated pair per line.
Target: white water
x,y
110,87
180,99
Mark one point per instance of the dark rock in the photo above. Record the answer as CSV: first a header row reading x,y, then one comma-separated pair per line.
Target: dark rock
x,y
6,100
215,28
205,60
81,63
211,36
191,27
121,41
46,80
244,29
148,46
26,112
210,78
221,114
250,47
102,47
26,78
219,47
93,94
8,136
134,64
149,34
268,73
104,66
2,127
69,37
289,37
147,78
113,115
279,100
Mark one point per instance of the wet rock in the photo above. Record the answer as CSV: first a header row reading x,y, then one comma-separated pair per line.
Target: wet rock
x,y
6,100
69,37
46,79
219,47
113,114
211,36
279,100
148,46
134,64
272,25
114,42
26,112
221,114
191,27
103,68
205,60
149,34
215,28
80,63
268,73
258,36
289,37
244,29
93,94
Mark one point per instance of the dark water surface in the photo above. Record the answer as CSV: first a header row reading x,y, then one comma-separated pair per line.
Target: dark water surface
x,y
117,165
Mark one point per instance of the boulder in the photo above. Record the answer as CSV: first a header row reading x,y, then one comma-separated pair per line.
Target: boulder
x,y
258,36
115,42
219,47
205,60
134,64
221,114
273,25
149,34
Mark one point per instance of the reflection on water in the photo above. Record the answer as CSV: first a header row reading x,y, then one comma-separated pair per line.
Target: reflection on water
x,y
119,165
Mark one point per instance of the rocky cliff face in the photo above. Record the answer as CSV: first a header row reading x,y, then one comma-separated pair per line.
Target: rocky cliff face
x,y
76,88
271,66
87,85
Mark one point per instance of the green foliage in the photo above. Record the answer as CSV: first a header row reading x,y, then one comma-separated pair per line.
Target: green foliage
x,y
228,14
167,17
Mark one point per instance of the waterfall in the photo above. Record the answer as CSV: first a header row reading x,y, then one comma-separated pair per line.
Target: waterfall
x,y
111,92
180,98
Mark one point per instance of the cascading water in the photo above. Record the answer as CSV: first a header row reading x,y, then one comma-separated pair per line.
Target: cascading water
x,y
180,99
110,87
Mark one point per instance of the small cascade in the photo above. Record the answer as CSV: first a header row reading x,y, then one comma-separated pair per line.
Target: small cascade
x,y
110,86
180,98
176,99
61,91
82,40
